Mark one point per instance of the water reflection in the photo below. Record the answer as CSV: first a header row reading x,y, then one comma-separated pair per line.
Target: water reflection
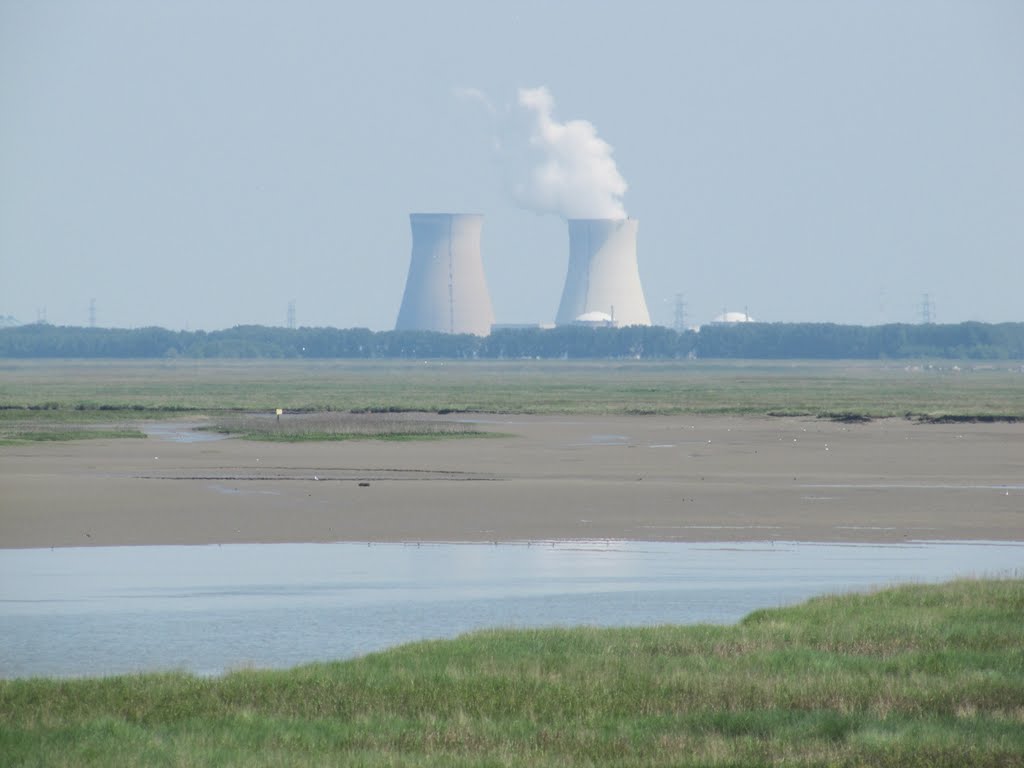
x,y
90,611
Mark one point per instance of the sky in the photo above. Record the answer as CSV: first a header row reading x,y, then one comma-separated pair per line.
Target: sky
x,y
199,164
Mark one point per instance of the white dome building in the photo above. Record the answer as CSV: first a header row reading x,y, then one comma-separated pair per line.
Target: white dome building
x,y
595,319
728,318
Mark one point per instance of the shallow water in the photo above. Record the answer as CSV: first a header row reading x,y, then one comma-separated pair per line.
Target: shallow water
x,y
180,432
209,609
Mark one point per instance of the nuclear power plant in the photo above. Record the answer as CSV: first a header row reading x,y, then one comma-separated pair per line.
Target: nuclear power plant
x,y
603,281
446,289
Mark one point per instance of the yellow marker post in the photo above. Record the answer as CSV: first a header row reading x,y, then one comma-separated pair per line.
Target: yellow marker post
x,y
279,412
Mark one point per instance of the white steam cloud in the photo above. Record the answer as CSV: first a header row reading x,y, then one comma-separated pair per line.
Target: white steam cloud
x,y
553,167
563,168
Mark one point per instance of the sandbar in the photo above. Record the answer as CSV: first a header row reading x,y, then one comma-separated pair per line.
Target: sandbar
x,y
646,478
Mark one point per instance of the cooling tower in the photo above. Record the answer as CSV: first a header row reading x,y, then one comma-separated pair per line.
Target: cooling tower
x,y
603,275
446,290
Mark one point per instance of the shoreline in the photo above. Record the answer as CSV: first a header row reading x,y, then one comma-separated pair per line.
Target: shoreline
x,y
554,478
585,545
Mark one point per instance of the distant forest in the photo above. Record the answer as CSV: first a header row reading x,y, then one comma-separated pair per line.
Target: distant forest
x,y
817,341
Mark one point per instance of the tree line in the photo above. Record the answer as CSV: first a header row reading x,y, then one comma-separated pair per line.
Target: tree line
x,y
819,341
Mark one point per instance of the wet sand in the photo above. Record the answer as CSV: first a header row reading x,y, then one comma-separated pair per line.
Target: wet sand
x,y
640,478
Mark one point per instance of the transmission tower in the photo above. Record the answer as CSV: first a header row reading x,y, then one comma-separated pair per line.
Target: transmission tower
x,y
92,313
927,310
679,318
291,314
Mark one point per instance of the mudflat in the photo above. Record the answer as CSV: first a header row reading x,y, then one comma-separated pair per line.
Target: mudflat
x,y
686,478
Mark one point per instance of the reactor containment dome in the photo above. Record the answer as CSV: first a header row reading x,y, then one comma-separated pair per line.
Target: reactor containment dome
x,y
446,290
603,275
729,318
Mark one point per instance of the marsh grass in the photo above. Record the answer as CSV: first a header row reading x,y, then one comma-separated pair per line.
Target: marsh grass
x,y
13,432
334,425
56,422
872,389
916,675
123,393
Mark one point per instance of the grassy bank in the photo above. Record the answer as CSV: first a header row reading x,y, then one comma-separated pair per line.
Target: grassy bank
x,y
26,431
129,389
334,425
918,675
69,394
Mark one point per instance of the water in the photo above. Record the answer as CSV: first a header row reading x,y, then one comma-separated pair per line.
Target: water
x,y
180,432
210,609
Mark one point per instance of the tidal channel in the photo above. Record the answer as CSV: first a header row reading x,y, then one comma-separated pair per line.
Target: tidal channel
x,y
212,609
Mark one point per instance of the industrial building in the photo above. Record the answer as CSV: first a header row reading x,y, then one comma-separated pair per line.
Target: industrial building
x,y
446,289
729,318
602,285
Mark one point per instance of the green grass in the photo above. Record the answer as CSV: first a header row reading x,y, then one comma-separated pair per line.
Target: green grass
x,y
335,426
15,434
125,392
158,389
916,675
321,437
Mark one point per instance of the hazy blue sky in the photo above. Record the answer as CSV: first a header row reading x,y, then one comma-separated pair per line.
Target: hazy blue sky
x,y
200,163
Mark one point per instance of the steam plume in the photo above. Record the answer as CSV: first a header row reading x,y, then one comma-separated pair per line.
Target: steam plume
x,y
568,168
561,168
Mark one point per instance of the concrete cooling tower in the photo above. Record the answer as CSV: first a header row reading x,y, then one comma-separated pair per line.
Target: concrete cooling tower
x,y
446,290
603,276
